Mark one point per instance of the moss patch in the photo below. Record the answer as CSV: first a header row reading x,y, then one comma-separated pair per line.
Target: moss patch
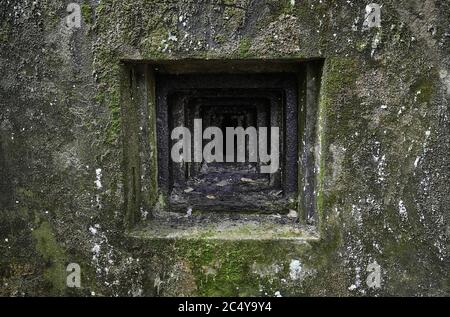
x,y
54,257
423,89
240,268
87,13
244,48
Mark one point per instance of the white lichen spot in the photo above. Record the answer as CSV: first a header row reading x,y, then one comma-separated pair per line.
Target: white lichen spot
x,y
93,230
445,77
96,251
352,287
402,210
172,37
98,178
375,43
157,284
381,168
416,162
144,213
278,294
357,284
355,25
295,270
356,213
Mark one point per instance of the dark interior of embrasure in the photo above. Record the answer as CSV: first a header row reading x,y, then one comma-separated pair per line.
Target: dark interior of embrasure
x,y
228,100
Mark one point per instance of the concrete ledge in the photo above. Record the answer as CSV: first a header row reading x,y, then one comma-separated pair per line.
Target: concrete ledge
x,y
225,255
225,227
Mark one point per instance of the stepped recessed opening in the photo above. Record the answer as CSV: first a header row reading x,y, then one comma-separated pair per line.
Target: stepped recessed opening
x,y
253,102
264,165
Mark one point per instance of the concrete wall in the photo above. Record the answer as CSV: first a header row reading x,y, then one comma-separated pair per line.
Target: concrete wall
x,y
383,182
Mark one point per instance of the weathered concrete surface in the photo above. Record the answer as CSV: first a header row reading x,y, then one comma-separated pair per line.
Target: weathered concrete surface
x,y
384,138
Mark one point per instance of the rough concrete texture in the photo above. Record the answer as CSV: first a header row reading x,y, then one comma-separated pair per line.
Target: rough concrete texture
x,y
383,183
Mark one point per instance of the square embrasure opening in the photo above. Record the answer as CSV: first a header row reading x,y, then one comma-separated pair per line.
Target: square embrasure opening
x,y
158,97
228,101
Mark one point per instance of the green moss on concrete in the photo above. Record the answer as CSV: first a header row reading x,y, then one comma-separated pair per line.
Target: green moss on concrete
x,y
222,228
114,127
54,256
244,48
339,74
108,72
152,193
218,273
220,267
231,268
109,95
423,89
162,201
154,46
4,32
87,13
